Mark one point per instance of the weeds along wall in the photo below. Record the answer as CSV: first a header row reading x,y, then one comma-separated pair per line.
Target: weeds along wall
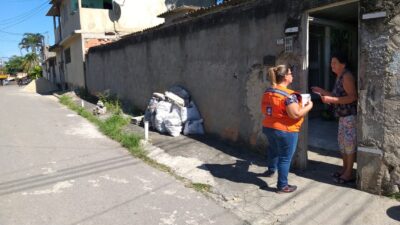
x,y
219,58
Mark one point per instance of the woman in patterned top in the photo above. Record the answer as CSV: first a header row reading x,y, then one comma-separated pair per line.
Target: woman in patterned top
x,y
344,99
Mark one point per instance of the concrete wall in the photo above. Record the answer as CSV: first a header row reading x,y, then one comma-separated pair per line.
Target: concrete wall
x,y
379,100
133,15
74,71
224,73
219,59
70,21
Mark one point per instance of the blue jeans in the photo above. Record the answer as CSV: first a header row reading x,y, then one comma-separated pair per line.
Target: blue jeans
x,y
282,146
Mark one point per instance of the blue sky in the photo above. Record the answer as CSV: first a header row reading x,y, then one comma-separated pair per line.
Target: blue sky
x,y
23,16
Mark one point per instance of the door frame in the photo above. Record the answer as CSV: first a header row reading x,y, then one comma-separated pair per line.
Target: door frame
x,y
301,161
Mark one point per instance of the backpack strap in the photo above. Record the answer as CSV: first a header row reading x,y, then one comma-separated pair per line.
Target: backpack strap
x,y
277,91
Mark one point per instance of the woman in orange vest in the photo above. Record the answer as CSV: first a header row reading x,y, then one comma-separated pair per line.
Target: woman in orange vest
x,y
283,117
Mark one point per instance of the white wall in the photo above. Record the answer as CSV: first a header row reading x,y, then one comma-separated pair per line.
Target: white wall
x,y
74,70
135,15
69,20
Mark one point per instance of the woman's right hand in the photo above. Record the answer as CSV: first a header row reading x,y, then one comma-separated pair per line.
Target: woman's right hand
x,y
319,91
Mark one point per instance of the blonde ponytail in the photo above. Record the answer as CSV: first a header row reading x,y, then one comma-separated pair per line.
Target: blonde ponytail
x,y
277,74
272,76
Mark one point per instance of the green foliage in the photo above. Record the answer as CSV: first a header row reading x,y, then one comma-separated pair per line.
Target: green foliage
x,y
395,196
14,65
36,72
31,42
31,60
113,127
111,102
201,187
28,63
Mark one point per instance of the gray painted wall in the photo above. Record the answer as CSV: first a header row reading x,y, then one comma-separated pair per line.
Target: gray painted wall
x,y
217,58
379,100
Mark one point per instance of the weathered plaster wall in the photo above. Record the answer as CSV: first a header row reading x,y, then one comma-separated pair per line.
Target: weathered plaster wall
x,y
218,58
379,99
74,70
69,20
130,16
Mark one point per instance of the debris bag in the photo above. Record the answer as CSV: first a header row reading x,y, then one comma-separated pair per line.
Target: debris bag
x,y
193,127
150,112
175,99
192,112
183,114
159,96
162,111
181,92
173,122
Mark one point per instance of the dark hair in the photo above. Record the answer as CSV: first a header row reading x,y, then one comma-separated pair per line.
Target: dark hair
x,y
277,74
342,58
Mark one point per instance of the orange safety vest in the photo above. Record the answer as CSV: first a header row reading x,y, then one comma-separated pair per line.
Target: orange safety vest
x,y
274,109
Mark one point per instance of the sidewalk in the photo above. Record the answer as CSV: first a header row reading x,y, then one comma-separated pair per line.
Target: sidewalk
x,y
237,184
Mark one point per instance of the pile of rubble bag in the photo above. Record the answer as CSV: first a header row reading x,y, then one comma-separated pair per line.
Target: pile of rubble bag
x,y
173,112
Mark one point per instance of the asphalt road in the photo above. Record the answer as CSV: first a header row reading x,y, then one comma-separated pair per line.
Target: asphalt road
x,y
57,169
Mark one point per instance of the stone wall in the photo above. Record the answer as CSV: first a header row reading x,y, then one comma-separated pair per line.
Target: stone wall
x,y
379,99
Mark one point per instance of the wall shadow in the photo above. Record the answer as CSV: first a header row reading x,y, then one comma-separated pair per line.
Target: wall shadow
x,y
237,172
200,146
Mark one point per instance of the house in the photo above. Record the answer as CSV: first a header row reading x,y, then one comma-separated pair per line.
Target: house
x,y
81,24
220,54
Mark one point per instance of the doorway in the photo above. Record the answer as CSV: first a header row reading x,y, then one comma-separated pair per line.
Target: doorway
x,y
331,28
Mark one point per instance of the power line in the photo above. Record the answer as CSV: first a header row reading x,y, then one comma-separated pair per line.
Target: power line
x,y
23,15
8,40
23,19
11,33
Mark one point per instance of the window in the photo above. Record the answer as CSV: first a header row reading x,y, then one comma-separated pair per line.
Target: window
x,y
218,2
97,4
74,5
67,55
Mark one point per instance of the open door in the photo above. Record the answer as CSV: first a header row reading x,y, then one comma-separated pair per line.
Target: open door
x,y
331,29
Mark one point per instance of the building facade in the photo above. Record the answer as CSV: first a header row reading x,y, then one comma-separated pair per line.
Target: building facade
x,y
81,24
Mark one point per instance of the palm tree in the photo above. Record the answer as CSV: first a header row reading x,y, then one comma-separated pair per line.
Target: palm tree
x,y
31,41
30,61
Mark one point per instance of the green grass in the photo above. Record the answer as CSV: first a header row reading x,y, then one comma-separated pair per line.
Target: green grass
x,y
201,187
113,128
395,196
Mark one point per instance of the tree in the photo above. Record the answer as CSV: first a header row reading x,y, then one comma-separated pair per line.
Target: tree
x,y
30,61
31,41
36,72
14,65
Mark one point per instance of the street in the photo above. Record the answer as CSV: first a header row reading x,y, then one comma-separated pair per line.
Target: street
x,y
56,168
